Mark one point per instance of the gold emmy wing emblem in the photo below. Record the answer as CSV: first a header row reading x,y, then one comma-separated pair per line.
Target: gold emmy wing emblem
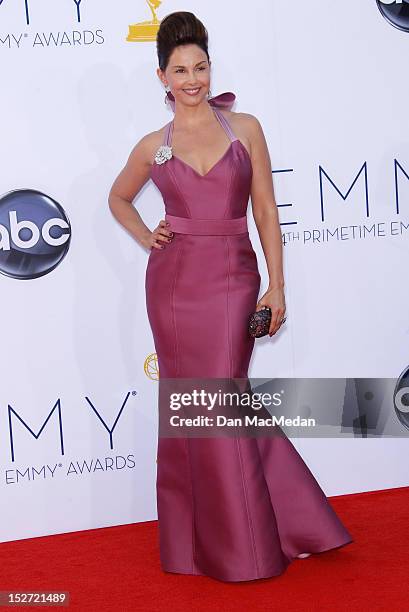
x,y
151,366
145,30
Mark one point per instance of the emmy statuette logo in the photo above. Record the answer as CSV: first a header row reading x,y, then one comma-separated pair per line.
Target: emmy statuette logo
x,y
146,30
151,366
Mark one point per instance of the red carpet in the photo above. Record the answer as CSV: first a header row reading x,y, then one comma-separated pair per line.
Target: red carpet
x,y
117,568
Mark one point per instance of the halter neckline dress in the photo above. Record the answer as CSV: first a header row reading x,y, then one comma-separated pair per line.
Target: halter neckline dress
x,y
234,509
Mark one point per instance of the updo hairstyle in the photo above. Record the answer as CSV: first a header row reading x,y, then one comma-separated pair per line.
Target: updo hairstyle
x,y
179,28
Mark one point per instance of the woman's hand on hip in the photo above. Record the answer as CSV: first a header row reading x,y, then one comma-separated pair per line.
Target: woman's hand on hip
x,y
159,236
275,299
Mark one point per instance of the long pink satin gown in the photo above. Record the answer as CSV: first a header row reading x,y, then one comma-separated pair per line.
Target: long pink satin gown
x,y
231,508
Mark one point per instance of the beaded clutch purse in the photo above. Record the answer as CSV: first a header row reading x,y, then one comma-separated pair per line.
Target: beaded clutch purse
x,y
259,322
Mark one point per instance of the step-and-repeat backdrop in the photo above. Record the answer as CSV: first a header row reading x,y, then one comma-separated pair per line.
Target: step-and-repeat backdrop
x,y
79,376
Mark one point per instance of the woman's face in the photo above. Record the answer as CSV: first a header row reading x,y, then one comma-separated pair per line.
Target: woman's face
x,y
187,74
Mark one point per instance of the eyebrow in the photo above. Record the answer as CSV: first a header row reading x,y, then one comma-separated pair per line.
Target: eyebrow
x,y
180,66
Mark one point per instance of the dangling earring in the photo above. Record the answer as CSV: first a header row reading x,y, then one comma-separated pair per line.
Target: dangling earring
x,y
209,94
166,96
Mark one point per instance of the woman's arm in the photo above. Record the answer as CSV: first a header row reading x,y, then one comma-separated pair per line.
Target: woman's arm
x,y
265,214
125,188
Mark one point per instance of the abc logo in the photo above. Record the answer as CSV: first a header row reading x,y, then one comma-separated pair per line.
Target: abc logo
x,y
401,398
34,234
396,12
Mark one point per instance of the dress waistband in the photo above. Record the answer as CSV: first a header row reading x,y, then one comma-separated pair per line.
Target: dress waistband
x,y
209,227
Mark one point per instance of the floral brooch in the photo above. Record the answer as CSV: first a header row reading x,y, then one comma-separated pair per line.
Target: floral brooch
x,y
163,154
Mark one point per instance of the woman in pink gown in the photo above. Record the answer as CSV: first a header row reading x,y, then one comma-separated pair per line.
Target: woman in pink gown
x,y
233,508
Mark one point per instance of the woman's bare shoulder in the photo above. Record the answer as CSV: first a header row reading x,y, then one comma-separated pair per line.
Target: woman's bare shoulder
x,y
145,149
243,121
245,126
153,140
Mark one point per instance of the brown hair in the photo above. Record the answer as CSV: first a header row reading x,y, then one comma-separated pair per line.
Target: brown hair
x,y
179,28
